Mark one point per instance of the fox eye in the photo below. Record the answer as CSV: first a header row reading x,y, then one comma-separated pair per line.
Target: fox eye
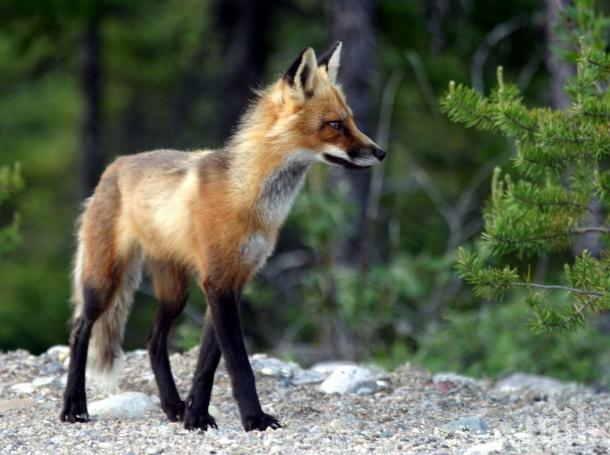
x,y
336,125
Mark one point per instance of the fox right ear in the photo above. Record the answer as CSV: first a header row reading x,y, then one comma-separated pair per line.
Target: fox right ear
x,y
301,74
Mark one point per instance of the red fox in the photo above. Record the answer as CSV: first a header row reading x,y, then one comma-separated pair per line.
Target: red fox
x,y
212,214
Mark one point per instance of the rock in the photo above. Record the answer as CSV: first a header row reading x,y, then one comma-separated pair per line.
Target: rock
x,y
17,403
58,352
43,381
272,367
327,368
474,424
485,449
23,387
129,405
456,379
214,412
350,379
289,372
155,450
537,384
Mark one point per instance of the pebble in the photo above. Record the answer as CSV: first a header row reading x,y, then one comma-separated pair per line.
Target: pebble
x,y
538,384
23,387
350,379
485,449
129,405
474,424
407,415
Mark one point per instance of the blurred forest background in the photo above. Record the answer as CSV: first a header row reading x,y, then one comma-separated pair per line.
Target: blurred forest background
x,y
364,267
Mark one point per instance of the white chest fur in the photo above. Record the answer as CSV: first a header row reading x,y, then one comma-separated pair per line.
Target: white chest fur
x,y
255,250
281,187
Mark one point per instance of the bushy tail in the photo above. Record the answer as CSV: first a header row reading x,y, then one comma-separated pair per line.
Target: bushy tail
x,y
105,356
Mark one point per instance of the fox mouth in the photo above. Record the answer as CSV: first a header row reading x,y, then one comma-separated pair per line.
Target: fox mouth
x,y
345,163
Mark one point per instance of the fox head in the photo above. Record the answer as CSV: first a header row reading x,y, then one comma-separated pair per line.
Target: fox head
x,y
313,115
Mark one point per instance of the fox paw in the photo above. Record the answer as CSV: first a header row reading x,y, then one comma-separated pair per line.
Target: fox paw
x,y
74,410
261,422
194,421
174,411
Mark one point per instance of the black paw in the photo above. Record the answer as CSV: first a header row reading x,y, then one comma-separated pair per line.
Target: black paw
x,y
74,410
194,421
260,422
174,411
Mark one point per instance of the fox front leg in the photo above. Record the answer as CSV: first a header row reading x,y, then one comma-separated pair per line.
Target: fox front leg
x,y
224,311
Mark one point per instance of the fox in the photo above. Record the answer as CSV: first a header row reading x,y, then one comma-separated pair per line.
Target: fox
x,y
209,215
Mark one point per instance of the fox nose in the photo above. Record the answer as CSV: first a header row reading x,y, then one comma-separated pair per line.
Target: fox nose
x,y
379,153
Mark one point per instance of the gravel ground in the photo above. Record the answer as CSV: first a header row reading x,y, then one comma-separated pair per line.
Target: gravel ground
x,y
406,411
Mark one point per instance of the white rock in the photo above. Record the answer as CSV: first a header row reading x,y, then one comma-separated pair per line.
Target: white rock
x,y
214,412
272,367
129,405
59,352
23,387
42,381
349,379
485,449
540,384
327,368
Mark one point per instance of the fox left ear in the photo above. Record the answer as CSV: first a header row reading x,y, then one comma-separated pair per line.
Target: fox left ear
x,y
301,74
331,60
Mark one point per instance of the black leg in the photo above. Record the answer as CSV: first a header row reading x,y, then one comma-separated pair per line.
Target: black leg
x,y
75,400
171,403
198,401
225,317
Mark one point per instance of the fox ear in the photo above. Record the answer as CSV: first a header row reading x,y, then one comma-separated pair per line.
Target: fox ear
x,y
301,74
331,60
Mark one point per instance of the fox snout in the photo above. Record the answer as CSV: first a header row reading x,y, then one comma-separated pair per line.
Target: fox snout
x,y
376,151
367,156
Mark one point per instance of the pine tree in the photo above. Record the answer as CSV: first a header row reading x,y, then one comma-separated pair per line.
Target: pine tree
x,y
561,163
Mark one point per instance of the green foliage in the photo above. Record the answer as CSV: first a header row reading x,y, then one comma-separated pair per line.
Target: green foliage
x,y
485,343
10,183
560,166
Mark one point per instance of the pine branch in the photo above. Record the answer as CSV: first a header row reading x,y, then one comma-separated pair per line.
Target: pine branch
x,y
559,287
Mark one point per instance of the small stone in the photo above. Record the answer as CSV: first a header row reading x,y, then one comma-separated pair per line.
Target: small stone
x,y
214,412
155,450
335,424
43,381
537,384
350,379
130,405
474,424
59,352
485,449
328,368
23,387
457,379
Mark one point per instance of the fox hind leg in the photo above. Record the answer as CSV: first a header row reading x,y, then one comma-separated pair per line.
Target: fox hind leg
x,y
96,300
171,283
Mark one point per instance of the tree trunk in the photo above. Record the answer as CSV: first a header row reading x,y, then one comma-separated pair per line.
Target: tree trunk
x,y
560,72
91,74
559,69
351,21
243,26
